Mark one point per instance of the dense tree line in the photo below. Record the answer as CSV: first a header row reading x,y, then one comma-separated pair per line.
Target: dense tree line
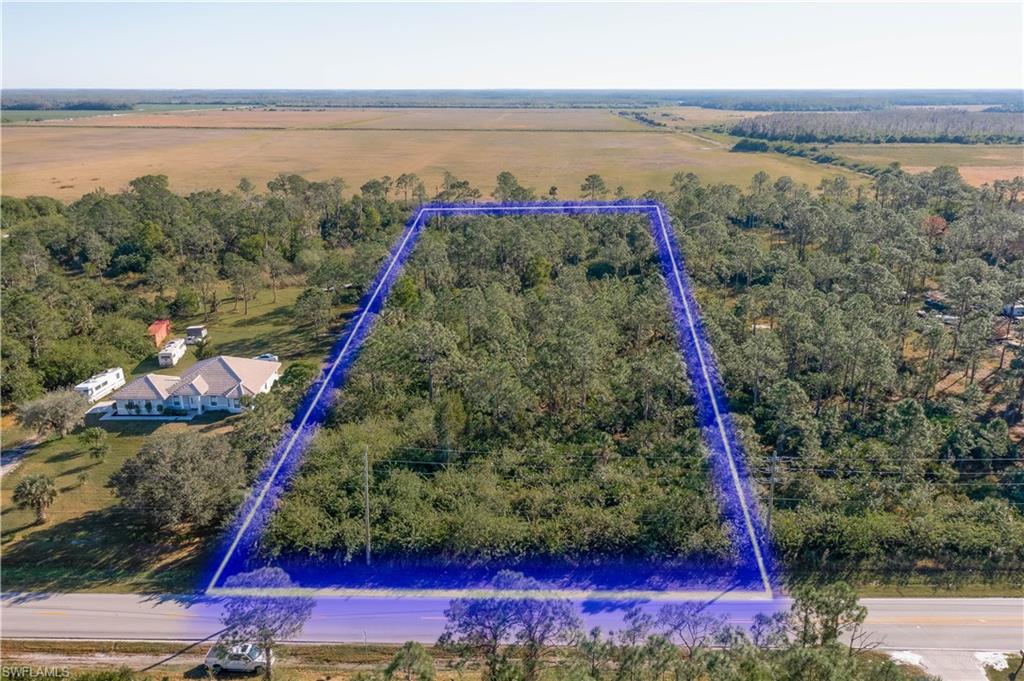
x,y
77,105
845,100
81,282
642,117
888,126
812,301
744,100
521,396
812,152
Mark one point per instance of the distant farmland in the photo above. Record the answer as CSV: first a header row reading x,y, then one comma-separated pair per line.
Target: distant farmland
x,y
203,148
214,148
978,163
375,119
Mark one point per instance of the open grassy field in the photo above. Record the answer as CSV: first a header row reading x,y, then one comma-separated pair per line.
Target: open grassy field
x,y
542,147
88,543
978,163
376,119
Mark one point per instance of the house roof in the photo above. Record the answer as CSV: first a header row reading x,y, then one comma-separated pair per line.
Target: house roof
x,y
197,386
222,376
226,376
148,387
160,325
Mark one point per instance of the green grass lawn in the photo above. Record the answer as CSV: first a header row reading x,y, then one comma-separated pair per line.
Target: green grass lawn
x,y
268,327
88,544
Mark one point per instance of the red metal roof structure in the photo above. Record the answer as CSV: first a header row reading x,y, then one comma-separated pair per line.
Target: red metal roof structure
x,y
159,330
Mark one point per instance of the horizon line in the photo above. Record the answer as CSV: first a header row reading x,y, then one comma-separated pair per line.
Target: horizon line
x,y
523,89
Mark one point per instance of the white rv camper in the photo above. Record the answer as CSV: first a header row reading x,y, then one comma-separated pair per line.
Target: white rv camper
x,y
172,352
102,384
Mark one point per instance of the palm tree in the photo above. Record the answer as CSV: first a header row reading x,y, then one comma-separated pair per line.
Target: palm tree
x,y
95,440
36,492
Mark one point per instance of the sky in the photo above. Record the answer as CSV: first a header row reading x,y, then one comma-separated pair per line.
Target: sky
x,y
468,45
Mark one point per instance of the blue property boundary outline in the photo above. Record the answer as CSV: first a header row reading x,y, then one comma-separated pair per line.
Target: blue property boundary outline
x,y
727,460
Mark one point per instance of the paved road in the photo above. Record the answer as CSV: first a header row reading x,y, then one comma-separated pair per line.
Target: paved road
x,y
11,458
945,632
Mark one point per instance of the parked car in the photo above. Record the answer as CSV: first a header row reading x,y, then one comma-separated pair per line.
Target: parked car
x,y
266,357
246,657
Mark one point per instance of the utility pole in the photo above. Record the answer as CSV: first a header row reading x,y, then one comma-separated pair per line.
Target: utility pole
x,y
366,498
771,491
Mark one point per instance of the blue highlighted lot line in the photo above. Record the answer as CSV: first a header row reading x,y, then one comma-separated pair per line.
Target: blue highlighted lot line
x,y
726,456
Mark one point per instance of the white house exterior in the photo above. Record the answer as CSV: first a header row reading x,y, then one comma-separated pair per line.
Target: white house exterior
x,y
172,352
215,384
102,384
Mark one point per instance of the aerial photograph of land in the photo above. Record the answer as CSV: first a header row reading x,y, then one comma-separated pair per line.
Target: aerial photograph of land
x,y
512,341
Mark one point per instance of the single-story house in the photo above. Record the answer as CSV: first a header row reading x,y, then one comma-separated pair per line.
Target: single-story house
x,y
215,384
102,384
172,352
158,331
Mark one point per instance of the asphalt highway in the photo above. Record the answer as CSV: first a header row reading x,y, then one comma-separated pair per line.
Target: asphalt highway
x,y
945,632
